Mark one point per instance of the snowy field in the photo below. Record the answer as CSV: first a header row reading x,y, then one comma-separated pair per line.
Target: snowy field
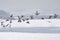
x,y
34,26
28,36
36,30
33,23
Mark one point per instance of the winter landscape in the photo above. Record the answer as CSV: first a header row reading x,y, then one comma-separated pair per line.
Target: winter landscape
x,y
25,27
34,24
29,19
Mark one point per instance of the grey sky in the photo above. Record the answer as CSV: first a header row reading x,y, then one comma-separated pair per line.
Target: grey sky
x,y
29,4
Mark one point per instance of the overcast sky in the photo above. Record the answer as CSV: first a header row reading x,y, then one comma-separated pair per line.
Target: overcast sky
x,y
11,5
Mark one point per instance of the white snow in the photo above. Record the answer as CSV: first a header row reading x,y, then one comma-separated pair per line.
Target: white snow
x,y
31,36
35,23
28,36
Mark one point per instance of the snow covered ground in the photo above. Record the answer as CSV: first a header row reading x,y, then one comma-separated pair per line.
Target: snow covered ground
x,y
28,36
34,23
38,23
47,29
34,26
